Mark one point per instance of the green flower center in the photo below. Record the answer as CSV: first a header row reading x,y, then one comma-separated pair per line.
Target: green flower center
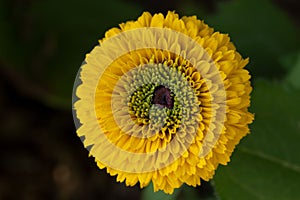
x,y
156,105
159,101
140,103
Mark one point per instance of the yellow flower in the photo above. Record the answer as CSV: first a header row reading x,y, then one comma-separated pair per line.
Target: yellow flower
x,y
163,99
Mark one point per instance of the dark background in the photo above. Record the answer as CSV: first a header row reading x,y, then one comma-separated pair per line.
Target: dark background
x,y
42,44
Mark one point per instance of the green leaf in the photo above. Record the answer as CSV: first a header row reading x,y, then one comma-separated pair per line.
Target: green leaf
x,y
266,165
293,62
148,194
203,192
260,30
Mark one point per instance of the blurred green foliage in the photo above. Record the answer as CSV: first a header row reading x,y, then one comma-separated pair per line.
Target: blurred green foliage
x,y
266,165
148,194
292,77
261,31
46,41
43,43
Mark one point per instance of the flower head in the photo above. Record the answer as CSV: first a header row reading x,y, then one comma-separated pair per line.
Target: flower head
x,y
163,99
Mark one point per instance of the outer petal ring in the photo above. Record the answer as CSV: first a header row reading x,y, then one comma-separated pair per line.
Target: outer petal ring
x,y
130,41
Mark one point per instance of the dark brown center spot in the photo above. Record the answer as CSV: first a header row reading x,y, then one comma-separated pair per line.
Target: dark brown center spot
x,y
162,96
